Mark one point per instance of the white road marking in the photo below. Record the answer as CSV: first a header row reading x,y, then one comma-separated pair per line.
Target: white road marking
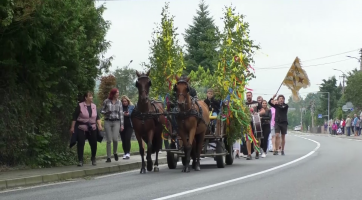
x,y
244,177
33,187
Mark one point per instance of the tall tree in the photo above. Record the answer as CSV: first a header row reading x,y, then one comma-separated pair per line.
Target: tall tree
x,y
107,84
335,92
202,40
294,116
125,82
166,58
49,60
353,91
233,71
201,80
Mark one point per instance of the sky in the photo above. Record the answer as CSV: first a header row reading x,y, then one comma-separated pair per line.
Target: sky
x,y
284,29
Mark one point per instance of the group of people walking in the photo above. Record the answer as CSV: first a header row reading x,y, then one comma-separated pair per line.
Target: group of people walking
x,y
86,124
274,125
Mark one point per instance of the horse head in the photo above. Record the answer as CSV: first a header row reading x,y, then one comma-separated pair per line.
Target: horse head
x,y
182,89
143,85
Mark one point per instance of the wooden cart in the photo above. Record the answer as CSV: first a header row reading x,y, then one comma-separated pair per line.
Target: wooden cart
x,y
215,145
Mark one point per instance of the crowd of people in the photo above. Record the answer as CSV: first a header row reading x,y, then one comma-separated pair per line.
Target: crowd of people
x,y
349,126
274,124
86,124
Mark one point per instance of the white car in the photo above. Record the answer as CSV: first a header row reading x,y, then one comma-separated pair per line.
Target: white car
x,y
297,128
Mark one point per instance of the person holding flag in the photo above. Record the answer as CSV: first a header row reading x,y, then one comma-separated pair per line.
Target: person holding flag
x,y
281,121
295,80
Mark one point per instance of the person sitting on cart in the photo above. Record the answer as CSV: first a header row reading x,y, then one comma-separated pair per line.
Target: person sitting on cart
x,y
213,104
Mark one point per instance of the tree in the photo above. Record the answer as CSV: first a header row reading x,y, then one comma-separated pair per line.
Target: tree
x,y
202,80
329,85
233,73
125,82
107,84
353,90
294,116
54,52
166,58
202,40
311,104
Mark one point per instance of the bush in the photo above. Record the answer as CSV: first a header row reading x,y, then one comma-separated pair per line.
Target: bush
x,y
52,56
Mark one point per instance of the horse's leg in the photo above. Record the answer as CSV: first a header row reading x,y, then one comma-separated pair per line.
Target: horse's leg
x,y
199,144
193,154
158,143
149,150
142,152
184,145
188,147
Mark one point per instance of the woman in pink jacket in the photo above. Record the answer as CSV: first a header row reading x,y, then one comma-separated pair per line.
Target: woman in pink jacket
x,y
84,125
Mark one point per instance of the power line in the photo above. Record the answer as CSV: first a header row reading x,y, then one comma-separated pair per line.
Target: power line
x,y
310,59
288,93
307,65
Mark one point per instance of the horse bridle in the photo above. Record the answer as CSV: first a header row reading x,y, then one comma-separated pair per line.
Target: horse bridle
x,y
181,94
149,80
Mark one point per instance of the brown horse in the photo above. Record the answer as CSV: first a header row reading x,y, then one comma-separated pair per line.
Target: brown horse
x,y
192,123
148,122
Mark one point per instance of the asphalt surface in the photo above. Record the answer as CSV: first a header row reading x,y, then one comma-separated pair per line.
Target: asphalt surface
x,y
327,169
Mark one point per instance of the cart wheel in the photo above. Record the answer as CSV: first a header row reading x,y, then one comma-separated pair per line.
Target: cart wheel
x,y
220,159
172,158
229,159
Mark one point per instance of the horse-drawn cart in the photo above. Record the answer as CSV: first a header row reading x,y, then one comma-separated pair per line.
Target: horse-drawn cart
x,y
215,145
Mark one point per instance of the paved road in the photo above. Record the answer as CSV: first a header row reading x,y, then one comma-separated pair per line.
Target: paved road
x,y
333,171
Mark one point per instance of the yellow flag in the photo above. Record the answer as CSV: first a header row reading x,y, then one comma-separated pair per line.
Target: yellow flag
x,y
296,79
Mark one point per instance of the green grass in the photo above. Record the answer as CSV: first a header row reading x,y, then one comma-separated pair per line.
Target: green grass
x,y
102,148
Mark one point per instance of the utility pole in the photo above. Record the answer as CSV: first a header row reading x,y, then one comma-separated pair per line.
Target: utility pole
x,y
312,112
360,60
343,77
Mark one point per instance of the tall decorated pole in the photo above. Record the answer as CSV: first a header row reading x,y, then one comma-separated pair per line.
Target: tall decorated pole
x,y
166,58
234,71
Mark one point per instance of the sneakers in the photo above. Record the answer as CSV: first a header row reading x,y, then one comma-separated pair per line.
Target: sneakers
x,y
275,153
108,160
80,164
116,157
283,153
126,156
257,155
263,155
248,157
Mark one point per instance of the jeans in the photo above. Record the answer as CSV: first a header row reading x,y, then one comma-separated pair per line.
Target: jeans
x,y
126,135
112,132
348,130
265,140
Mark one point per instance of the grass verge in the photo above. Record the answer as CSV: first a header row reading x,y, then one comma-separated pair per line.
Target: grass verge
x,y
102,148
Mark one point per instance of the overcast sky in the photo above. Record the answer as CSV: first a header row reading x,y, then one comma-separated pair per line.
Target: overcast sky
x,y
284,29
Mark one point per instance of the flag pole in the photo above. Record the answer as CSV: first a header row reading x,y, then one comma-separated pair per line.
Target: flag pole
x,y
279,88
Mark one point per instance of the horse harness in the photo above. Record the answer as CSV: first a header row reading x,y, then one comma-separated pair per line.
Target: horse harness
x,y
147,115
192,112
